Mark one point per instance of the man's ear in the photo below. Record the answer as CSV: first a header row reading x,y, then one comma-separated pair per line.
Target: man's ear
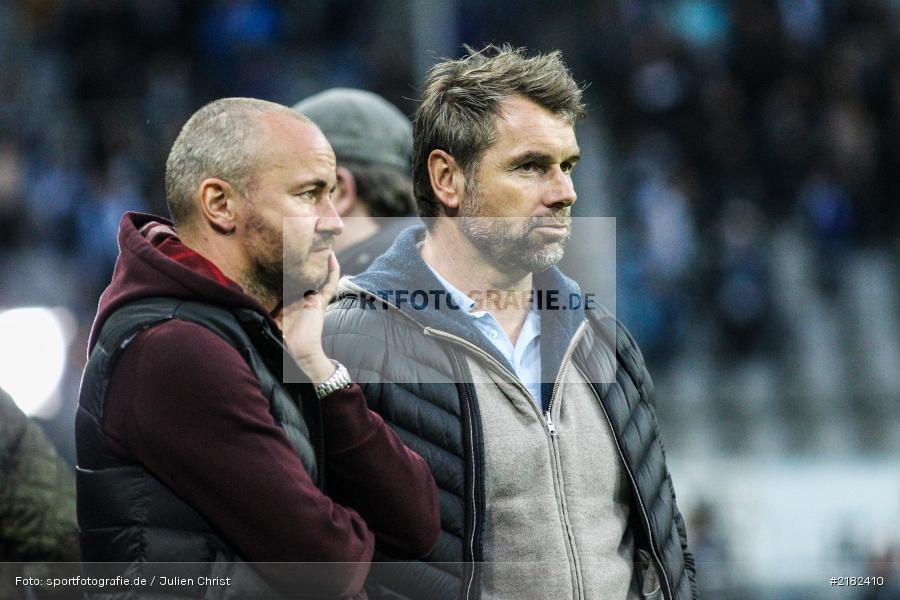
x,y
219,204
345,198
447,179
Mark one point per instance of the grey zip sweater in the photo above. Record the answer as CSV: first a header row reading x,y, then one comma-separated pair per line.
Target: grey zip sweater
x,y
600,483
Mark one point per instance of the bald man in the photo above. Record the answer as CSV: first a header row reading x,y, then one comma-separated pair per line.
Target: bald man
x,y
194,445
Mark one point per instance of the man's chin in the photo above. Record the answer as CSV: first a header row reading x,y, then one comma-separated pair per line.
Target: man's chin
x,y
540,258
534,251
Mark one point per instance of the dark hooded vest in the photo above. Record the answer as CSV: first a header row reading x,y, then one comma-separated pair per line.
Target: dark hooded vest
x,y
127,515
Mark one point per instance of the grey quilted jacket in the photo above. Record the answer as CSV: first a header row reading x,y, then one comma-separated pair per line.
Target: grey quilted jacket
x,y
413,375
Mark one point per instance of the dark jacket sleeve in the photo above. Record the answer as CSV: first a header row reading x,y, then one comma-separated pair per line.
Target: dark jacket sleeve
x,y
184,403
37,493
689,563
647,392
371,470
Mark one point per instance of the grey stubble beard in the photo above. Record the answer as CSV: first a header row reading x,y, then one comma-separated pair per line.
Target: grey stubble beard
x,y
495,239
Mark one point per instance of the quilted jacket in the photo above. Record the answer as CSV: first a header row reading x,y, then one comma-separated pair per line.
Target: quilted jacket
x,y
37,501
412,374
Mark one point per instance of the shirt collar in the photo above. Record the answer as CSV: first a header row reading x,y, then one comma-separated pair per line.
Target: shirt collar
x,y
459,298
465,303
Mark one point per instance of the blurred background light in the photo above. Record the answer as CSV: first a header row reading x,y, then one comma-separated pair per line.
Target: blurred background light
x,y
34,342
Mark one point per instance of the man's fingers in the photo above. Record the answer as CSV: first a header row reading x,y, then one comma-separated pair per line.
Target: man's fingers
x,y
334,276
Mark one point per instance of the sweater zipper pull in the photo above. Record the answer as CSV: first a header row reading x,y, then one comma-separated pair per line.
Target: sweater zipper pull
x,y
550,426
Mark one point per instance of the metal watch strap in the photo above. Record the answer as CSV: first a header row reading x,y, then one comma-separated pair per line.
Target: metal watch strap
x,y
339,379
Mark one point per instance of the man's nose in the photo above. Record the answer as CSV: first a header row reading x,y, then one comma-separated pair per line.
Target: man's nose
x,y
560,189
329,220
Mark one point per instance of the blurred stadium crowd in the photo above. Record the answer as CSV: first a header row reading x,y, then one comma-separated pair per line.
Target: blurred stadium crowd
x,y
748,148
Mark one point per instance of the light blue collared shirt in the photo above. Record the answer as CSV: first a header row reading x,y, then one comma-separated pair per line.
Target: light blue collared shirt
x,y
525,356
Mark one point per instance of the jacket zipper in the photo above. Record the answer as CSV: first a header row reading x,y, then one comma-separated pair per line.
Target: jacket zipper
x,y
317,439
634,490
471,435
563,368
429,331
551,430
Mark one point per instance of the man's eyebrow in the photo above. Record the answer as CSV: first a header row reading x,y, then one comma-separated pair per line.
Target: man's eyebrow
x,y
314,183
540,157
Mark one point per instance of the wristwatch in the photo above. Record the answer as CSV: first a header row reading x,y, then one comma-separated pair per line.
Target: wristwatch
x,y
339,379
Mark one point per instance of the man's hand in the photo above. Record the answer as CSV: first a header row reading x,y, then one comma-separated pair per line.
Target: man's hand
x,y
302,323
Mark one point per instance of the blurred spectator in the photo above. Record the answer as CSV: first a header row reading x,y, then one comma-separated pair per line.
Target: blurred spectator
x,y
741,280
12,215
711,554
884,564
827,213
37,503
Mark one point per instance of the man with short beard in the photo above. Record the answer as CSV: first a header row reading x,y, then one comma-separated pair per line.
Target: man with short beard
x,y
195,444
536,419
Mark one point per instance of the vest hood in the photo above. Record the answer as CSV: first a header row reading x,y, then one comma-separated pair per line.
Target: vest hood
x,y
402,268
142,271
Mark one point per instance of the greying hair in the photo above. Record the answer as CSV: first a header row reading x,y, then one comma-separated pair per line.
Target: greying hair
x,y
462,98
219,140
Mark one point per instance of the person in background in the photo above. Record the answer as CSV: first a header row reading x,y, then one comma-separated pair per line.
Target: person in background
x,y
372,141
37,505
